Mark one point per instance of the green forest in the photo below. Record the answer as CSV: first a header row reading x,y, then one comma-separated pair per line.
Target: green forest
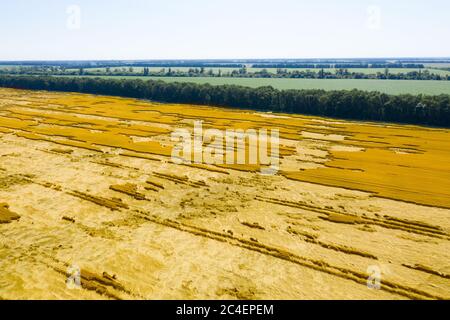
x,y
344,104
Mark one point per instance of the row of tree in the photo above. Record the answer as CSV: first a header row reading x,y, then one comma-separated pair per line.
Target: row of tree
x,y
234,73
346,104
340,65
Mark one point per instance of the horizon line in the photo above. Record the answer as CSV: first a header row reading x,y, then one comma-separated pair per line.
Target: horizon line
x,y
232,59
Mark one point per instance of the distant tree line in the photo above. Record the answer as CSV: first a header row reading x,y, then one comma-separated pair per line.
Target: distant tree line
x,y
339,65
126,63
345,104
187,65
236,63
243,72
349,74
223,61
397,65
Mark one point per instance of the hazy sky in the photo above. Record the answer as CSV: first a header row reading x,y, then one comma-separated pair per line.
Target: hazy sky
x,y
201,29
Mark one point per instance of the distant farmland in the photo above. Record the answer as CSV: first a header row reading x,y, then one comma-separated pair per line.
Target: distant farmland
x,y
274,70
386,86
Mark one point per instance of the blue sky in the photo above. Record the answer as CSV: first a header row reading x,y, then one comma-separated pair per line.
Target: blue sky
x,y
202,29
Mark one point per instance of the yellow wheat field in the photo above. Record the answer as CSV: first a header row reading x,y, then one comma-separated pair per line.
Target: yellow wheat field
x,y
87,182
